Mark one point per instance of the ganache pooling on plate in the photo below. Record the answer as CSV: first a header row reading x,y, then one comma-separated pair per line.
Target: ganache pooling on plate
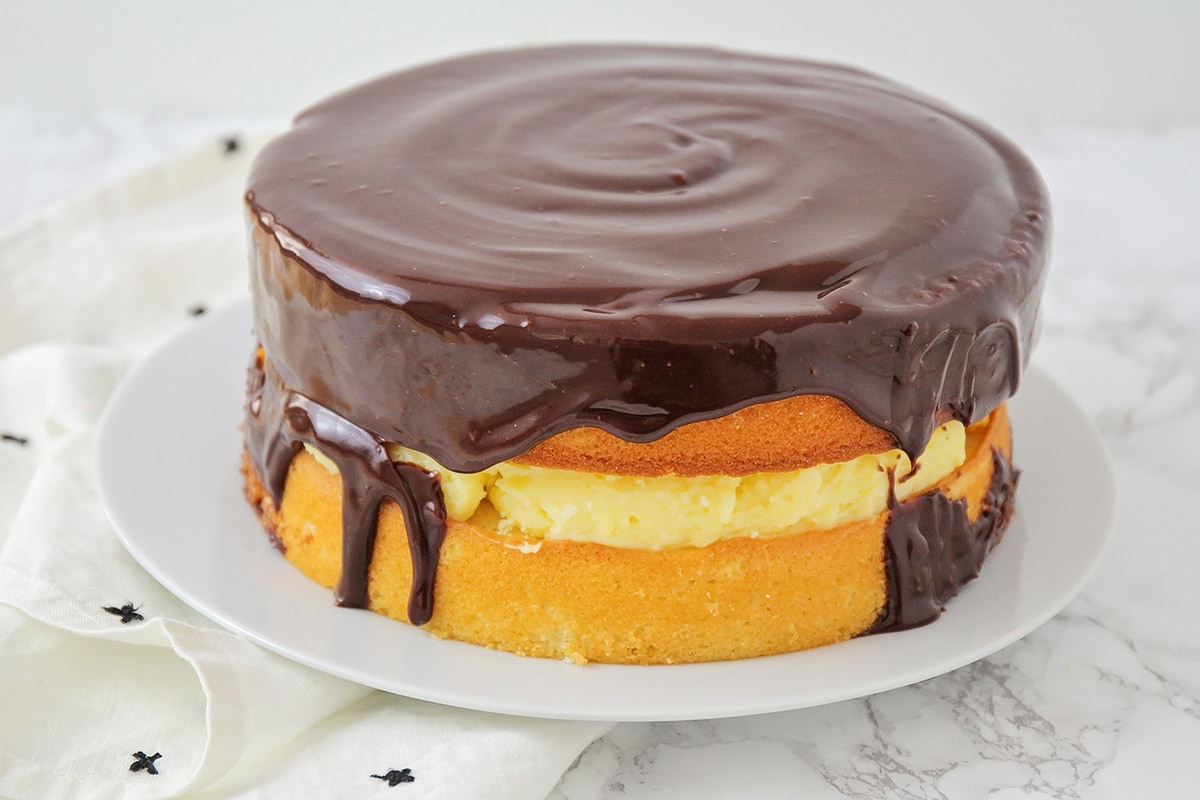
x,y
469,257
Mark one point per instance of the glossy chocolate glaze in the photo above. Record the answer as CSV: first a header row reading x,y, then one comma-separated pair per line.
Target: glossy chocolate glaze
x,y
483,252
933,547
280,422
472,256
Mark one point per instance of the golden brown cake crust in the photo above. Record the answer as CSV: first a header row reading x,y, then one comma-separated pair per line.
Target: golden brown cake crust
x,y
778,436
586,602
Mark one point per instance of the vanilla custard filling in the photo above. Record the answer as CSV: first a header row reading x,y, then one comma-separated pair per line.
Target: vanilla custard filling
x,y
530,504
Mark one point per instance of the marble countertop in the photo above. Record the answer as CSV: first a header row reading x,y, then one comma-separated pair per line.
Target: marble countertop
x,y
1101,702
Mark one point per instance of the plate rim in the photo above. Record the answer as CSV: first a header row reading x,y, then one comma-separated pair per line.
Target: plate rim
x,y
112,451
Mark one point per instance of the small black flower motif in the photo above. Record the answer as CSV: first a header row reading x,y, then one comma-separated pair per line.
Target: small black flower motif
x,y
145,762
12,437
231,144
394,777
197,309
127,613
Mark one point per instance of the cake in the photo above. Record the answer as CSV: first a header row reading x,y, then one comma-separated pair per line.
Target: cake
x,y
639,354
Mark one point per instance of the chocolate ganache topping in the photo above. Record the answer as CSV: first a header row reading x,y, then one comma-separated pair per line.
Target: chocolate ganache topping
x,y
471,256
493,249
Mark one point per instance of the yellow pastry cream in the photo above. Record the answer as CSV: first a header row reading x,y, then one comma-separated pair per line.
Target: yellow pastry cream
x,y
530,503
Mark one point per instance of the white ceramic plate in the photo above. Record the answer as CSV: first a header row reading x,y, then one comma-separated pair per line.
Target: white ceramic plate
x,y
169,449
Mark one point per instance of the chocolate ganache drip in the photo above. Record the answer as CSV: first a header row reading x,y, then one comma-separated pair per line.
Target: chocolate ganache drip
x,y
282,421
469,257
933,547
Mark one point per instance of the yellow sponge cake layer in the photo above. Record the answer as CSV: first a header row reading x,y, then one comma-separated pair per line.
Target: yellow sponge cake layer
x,y
736,597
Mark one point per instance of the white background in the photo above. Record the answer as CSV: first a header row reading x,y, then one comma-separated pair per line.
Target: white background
x,y
1022,64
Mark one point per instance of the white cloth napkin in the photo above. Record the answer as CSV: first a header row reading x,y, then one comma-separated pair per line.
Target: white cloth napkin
x,y
101,669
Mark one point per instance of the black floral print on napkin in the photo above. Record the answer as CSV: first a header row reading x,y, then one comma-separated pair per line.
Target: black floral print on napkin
x,y
128,613
145,762
395,777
